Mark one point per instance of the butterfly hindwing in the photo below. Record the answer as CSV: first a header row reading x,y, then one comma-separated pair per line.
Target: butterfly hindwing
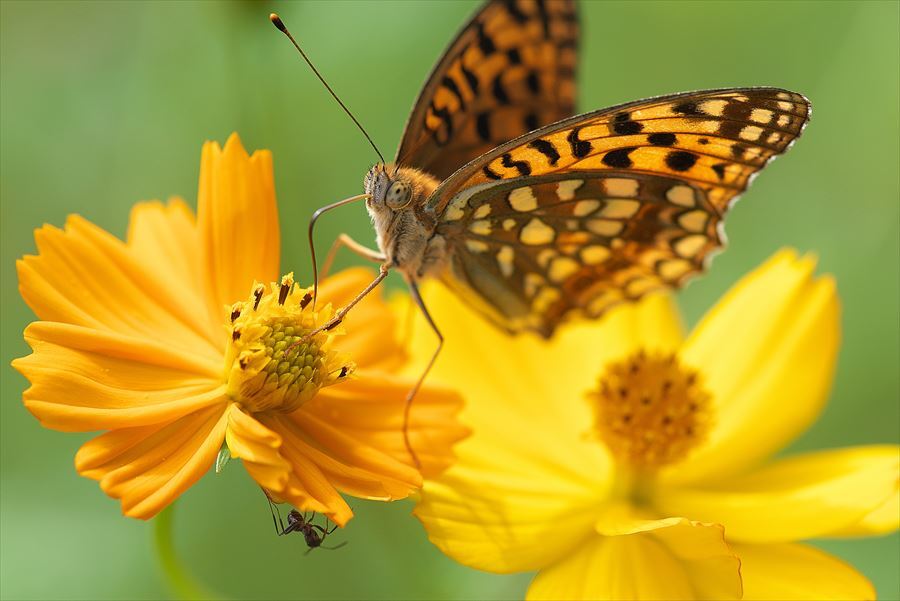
x,y
607,206
537,249
509,71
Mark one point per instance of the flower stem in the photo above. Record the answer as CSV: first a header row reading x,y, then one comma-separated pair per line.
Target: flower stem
x,y
179,579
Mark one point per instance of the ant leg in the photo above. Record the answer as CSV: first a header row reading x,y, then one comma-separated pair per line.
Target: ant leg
x,y
345,241
417,297
335,547
273,509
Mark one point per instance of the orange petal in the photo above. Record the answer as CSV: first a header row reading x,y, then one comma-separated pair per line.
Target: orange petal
x,y
259,449
84,379
307,486
149,467
371,328
165,238
238,220
85,276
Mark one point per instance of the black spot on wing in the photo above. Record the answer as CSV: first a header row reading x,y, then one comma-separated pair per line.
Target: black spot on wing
x,y
531,122
719,168
662,139
618,159
580,148
679,160
623,125
534,82
521,166
514,57
547,149
489,173
545,17
483,125
450,84
515,12
688,108
470,78
444,115
485,43
498,90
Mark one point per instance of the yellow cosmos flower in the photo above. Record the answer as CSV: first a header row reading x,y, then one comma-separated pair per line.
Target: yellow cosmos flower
x,y
174,341
624,460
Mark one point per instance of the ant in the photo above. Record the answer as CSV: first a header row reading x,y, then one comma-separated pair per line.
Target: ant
x,y
298,522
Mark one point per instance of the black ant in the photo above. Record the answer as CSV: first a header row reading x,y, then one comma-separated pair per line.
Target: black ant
x,y
298,522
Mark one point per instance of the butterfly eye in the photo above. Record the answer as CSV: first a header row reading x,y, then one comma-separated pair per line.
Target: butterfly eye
x,y
397,195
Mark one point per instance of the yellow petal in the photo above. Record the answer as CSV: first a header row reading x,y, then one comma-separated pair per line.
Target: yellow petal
x,y
149,467
808,496
85,276
166,240
526,482
84,379
881,520
656,559
767,353
789,572
238,221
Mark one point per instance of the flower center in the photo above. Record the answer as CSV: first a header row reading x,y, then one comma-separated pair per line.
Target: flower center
x,y
650,410
271,362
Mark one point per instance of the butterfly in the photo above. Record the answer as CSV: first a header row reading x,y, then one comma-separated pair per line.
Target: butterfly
x,y
536,216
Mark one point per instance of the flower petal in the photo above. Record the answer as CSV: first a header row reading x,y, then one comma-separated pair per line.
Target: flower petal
x,y
671,558
84,379
84,276
259,449
166,240
526,483
360,423
307,486
370,328
809,496
238,220
767,352
150,466
790,572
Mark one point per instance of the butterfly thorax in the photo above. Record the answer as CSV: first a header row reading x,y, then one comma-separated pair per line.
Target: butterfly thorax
x,y
404,226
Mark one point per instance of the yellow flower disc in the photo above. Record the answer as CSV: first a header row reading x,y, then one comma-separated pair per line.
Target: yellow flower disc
x,y
651,410
272,362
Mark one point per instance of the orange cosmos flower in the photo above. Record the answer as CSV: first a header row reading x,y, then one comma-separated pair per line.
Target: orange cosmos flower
x,y
170,344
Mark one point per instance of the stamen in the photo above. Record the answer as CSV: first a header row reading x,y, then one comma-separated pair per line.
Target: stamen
x,y
659,414
274,360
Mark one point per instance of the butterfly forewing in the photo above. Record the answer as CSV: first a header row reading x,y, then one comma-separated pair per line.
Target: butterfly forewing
x,y
509,71
608,206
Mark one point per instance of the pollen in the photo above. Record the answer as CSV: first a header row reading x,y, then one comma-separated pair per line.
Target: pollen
x,y
651,410
272,363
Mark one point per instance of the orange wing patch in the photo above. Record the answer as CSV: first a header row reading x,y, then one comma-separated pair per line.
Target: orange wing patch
x,y
714,140
510,71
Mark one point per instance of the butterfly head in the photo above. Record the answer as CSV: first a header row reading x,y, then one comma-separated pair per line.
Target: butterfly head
x,y
387,190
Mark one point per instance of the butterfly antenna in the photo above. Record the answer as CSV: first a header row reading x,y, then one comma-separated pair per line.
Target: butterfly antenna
x,y
277,22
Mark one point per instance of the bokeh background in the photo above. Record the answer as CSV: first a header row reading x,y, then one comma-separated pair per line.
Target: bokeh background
x,y
104,104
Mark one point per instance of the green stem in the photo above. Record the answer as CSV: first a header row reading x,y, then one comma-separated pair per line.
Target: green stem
x,y
179,579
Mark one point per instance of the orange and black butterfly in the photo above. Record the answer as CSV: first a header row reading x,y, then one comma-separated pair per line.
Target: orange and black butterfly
x,y
535,215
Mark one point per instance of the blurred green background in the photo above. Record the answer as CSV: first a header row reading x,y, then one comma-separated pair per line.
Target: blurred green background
x,y
104,104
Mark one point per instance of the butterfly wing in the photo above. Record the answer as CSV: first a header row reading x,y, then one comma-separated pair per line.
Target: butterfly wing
x,y
605,207
509,71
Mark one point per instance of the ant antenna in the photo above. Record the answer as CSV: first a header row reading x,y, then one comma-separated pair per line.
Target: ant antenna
x,y
277,22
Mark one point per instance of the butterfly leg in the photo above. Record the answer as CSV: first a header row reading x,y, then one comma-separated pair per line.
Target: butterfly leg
x,y
345,241
417,297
